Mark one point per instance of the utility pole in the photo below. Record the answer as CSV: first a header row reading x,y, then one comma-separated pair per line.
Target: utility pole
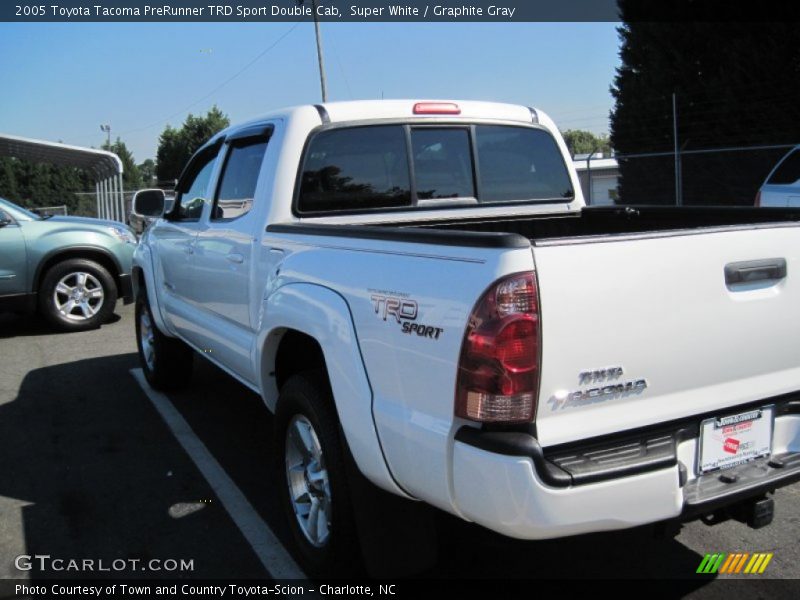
x,y
678,191
322,80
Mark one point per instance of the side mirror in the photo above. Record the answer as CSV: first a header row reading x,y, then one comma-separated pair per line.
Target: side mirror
x,y
148,203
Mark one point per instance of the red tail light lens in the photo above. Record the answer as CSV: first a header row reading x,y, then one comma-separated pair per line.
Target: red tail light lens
x,y
498,372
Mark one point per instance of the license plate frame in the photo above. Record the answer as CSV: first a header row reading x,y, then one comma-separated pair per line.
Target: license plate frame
x,y
730,440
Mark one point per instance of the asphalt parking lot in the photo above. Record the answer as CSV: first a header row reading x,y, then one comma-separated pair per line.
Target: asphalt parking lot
x,y
89,468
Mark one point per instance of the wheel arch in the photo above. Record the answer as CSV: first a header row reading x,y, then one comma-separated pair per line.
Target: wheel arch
x,y
143,278
307,326
94,253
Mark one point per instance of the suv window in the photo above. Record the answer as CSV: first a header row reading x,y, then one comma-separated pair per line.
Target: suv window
x,y
788,171
356,168
237,185
190,202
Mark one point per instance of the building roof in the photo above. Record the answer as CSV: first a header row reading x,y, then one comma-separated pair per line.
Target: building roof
x,y
596,164
100,163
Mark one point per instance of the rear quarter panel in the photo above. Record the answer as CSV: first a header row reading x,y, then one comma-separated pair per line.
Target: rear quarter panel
x,y
412,377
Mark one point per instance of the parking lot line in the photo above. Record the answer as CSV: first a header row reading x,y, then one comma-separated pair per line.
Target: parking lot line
x,y
262,539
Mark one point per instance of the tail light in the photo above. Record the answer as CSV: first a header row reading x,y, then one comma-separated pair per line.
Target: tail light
x,y
758,198
498,371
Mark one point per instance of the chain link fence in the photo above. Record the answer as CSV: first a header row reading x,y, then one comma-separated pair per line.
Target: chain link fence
x,y
729,176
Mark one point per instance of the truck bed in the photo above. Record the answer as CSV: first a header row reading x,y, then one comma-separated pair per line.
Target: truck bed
x,y
610,220
520,231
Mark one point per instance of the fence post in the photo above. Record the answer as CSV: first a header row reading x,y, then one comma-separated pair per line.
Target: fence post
x,y
678,183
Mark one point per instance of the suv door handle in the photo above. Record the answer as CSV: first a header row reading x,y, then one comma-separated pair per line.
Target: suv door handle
x,y
235,258
770,269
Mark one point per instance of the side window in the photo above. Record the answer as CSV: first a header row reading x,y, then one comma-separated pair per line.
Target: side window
x,y
355,169
788,171
442,163
193,199
237,185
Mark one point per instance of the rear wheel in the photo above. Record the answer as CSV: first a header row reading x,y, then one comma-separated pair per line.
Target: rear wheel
x,y
166,361
314,495
77,294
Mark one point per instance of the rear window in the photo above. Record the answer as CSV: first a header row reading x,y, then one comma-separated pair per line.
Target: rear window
x,y
442,163
520,164
373,167
788,171
358,168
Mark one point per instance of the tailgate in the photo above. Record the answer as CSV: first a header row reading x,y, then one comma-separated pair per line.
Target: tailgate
x,y
641,330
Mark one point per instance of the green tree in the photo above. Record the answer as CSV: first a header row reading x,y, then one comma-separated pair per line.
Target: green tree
x,y
580,141
176,146
131,178
735,84
147,170
34,185
8,179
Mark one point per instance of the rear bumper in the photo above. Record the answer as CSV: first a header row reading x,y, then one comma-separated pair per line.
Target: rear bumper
x,y
126,288
510,485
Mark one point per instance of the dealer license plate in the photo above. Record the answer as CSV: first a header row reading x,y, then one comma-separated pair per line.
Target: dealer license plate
x,y
735,439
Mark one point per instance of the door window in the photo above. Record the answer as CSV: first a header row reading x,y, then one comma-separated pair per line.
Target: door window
x,y
237,185
193,187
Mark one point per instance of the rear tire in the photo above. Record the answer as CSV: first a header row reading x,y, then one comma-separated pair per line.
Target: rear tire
x,y
310,465
166,361
77,294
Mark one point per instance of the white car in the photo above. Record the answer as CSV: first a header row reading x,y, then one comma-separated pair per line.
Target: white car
x,y
782,186
419,293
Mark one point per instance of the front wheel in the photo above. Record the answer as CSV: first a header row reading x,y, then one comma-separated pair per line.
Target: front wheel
x,y
166,362
77,294
315,499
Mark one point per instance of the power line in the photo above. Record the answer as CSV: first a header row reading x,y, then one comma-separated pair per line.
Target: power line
x,y
220,86
339,63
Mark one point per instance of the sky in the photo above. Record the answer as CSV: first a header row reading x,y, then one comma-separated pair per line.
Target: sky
x,y
61,81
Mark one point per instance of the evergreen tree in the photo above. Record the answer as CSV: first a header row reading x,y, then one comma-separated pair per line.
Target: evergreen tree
x,y
735,84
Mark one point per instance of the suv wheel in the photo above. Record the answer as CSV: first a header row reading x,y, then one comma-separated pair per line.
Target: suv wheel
x,y
77,294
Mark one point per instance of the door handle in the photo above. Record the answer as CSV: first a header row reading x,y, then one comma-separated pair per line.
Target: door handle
x,y
749,271
235,258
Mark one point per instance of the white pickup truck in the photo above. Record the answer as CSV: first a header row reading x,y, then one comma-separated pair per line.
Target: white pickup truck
x,y
418,292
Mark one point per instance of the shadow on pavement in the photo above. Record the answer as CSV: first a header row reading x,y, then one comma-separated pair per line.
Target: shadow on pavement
x,y
104,478
236,427
101,477
17,325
